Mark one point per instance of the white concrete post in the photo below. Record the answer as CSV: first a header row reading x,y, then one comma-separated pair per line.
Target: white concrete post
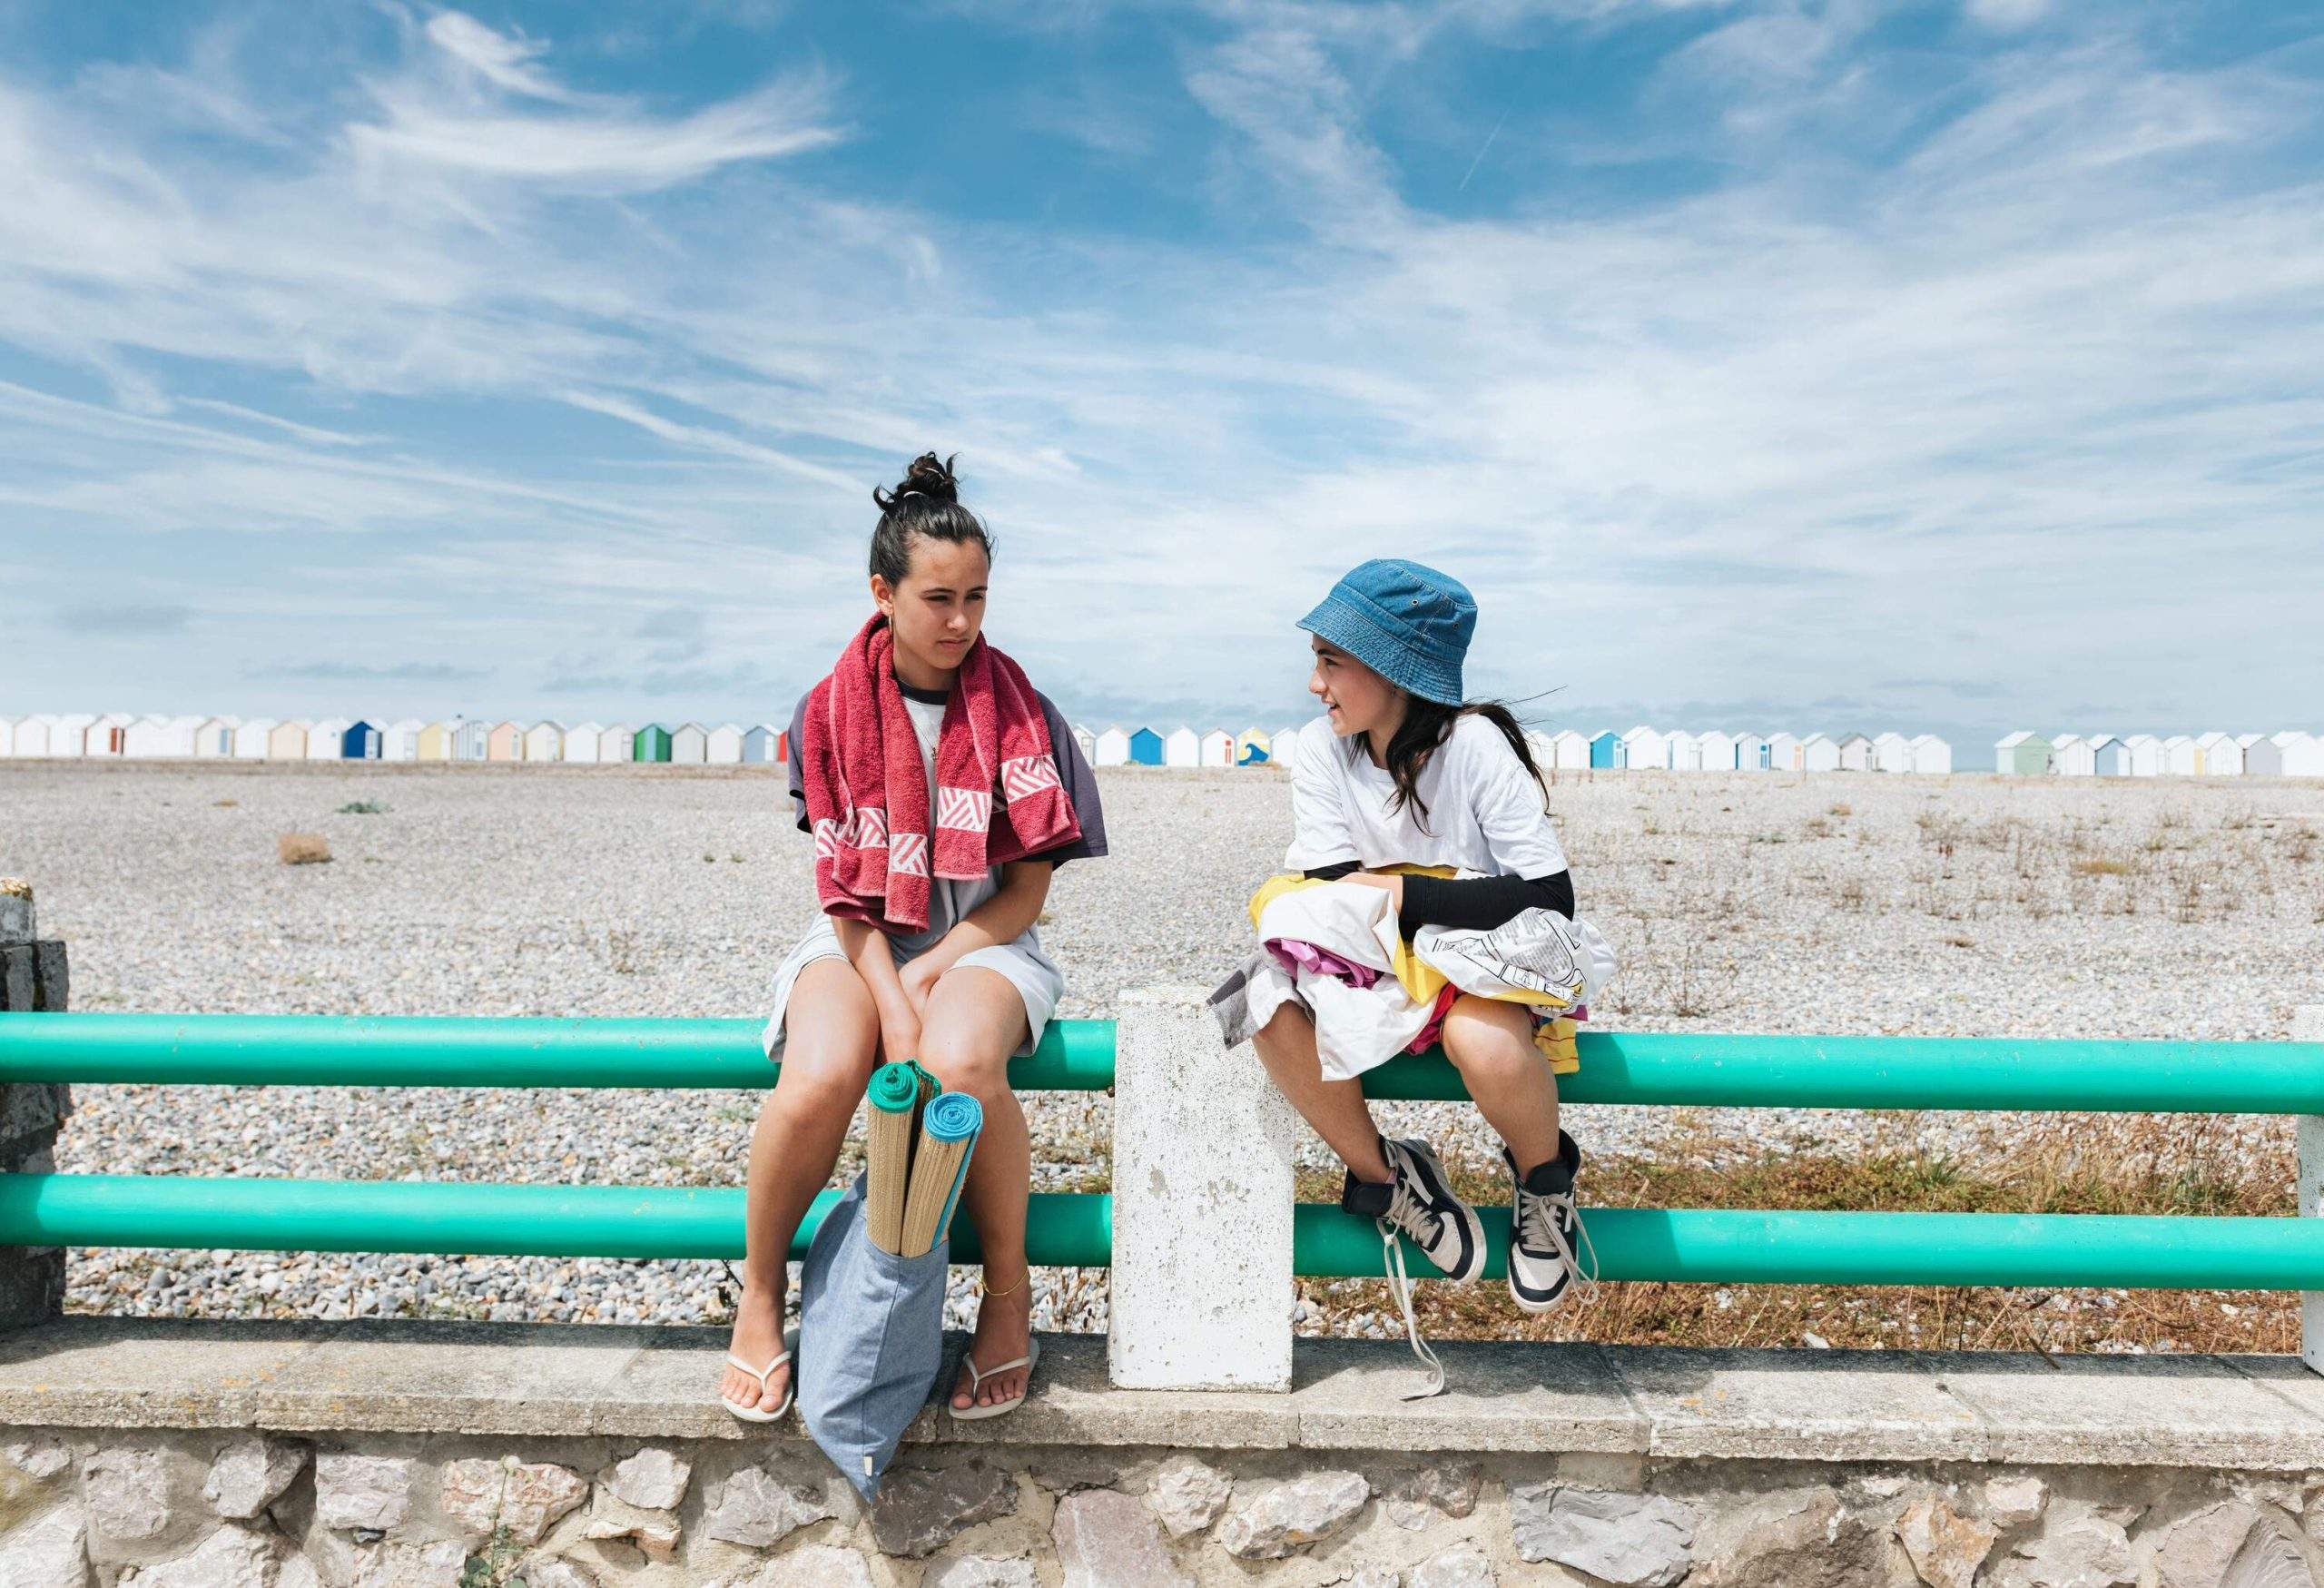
x,y
2308,1026
1203,1142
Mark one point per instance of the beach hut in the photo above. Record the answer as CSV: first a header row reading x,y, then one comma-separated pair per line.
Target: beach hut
x,y
1215,748
215,737
2071,755
400,740
545,741
1786,752
1146,749
2263,757
1182,747
1682,752
1716,751
2303,754
2109,757
2220,755
723,745
689,745
1750,752
582,742
287,741
617,743
146,738
758,744
650,744
1569,750
1819,752
1892,753
1254,747
1607,750
29,736
182,735
1283,741
438,740
108,735
1856,752
1086,742
68,736
2022,753
326,737
361,742
1643,749
472,739
2145,754
252,736
1932,755
1113,747
2179,756
505,741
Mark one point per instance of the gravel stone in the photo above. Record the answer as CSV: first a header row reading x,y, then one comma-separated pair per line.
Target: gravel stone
x,y
1188,1495
1461,1566
755,1508
979,1572
127,1492
369,1491
653,1478
1105,1539
1633,1540
916,1513
249,1474
52,1550
230,1557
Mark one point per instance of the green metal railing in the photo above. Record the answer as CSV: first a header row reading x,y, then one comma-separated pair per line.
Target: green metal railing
x,y
1075,1229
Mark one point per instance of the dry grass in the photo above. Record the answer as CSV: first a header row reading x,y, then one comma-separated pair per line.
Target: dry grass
x,y
2179,1164
2104,866
302,849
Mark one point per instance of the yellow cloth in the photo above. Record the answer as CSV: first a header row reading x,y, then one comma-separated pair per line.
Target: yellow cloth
x,y
1422,981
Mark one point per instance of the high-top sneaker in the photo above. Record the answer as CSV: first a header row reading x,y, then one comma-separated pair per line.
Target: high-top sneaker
x,y
1419,1203
1544,1228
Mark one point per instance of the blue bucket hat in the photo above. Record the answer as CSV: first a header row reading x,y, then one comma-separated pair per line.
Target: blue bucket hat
x,y
1404,620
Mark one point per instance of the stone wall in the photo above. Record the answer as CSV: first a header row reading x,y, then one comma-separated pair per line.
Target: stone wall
x,y
35,976
237,1509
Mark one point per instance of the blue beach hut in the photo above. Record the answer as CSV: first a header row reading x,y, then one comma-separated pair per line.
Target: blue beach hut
x,y
1146,749
1606,749
361,742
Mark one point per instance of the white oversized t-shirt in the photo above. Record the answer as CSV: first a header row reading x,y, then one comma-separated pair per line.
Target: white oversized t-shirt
x,y
1485,814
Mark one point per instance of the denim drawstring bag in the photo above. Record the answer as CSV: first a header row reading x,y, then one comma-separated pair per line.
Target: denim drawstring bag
x,y
870,1340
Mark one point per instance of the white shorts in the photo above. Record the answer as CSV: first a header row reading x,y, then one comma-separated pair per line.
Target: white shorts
x,y
1035,976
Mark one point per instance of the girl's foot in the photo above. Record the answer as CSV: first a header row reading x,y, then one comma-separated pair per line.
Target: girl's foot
x,y
758,1336
1004,1332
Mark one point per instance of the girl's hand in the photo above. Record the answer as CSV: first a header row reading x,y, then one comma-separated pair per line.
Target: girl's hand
x,y
1393,883
919,979
899,1036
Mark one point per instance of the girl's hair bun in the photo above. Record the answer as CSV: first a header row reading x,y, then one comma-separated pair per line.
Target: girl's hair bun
x,y
927,477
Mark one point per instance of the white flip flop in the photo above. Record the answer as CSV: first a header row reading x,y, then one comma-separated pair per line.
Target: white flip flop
x,y
759,1414
972,1413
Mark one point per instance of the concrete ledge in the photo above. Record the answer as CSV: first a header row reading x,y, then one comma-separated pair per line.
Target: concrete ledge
x,y
2260,1414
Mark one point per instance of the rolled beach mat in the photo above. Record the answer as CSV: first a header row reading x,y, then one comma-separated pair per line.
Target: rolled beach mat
x,y
948,1128
895,1097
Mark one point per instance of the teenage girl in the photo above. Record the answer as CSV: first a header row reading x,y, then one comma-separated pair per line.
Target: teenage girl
x,y
1403,770
962,994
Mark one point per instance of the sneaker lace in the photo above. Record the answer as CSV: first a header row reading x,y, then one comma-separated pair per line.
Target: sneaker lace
x,y
1537,1230
1400,1285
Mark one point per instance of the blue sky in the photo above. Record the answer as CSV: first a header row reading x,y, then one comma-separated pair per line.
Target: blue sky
x,y
1948,366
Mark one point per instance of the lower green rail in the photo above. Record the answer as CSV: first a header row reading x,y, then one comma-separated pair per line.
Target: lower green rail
x,y
1068,1230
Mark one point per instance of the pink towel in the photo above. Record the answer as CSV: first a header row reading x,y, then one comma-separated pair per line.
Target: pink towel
x,y
867,795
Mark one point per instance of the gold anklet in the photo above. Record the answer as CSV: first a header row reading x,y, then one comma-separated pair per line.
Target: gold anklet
x,y
985,1289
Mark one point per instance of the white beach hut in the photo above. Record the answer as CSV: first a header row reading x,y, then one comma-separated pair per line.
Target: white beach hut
x,y
215,737
1569,750
252,736
1215,748
2146,756
472,739
2180,758
2218,756
327,739
400,741
1819,752
68,736
1892,753
581,742
147,738
30,736
2070,756
1644,748
1182,747
2109,757
689,745
1113,747
1932,756
1718,751
618,742
545,741
724,746
108,736
2263,757
2303,754
1786,753
1086,742
287,741
1681,752
1856,752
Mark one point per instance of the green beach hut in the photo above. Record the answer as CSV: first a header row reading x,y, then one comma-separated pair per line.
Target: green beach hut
x,y
651,744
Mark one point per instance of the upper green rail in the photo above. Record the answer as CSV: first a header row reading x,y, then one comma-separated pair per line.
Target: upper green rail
x,y
1616,1067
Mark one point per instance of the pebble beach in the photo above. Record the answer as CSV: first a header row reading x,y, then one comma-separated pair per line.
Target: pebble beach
x,y
1836,904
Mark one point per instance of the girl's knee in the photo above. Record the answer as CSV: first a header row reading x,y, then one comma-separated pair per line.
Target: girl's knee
x,y
963,1062
819,1078
1482,1032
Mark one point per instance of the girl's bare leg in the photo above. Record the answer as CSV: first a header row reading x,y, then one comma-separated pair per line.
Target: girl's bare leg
x,y
1336,1108
1491,1045
831,1037
974,1020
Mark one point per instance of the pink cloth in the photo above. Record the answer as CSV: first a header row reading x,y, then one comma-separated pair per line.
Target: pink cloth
x,y
1433,1027
1294,956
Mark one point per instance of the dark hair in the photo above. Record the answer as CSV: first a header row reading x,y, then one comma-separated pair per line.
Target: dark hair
x,y
1427,725
925,505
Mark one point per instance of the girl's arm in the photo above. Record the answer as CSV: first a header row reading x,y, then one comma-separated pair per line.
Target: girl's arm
x,y
1478,903
866,947
1003,918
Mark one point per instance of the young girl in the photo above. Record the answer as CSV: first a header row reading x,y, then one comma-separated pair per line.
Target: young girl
x,y
1408,773
942,790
